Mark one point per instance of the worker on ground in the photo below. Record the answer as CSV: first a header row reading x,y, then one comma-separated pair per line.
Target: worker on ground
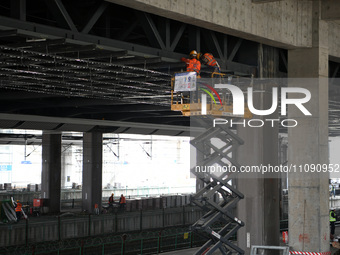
x,y
18,209
96,209
332,220
193,65
122,202
111,200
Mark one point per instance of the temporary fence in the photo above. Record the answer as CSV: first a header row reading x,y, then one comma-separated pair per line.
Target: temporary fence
x,y
125,244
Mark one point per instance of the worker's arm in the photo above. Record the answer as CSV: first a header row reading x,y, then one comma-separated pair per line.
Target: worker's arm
x,y
185,60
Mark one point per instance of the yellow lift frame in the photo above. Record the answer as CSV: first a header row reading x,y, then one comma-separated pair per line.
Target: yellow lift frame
x,y
189,107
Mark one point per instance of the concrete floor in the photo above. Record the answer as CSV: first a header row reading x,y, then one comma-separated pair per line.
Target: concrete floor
x,y
193,250
186,252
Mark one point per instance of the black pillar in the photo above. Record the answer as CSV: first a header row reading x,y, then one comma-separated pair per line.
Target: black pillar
x,y
51,170
92,170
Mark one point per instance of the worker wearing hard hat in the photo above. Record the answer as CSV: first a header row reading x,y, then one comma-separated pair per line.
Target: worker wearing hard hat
x,y
18,210
122,202
193,65
332,220
209,60
111,199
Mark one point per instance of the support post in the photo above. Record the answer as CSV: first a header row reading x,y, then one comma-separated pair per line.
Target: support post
x,y
51,170
260,208
308,196
92,170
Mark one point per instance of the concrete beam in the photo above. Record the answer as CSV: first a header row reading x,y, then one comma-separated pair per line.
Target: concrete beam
x,y
334,39
263,1
30,122
285,23
330,10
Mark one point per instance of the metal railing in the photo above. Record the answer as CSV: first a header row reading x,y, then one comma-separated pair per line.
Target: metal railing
x,y
125,244
255,248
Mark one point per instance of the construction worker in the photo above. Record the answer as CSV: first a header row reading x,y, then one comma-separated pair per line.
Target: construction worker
x,y
18,209
96,209
122,202
332,220
333,190
193,65
209,60
111,202
111,199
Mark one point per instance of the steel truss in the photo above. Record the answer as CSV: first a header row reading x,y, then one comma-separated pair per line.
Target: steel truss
x,y
216,185
140,33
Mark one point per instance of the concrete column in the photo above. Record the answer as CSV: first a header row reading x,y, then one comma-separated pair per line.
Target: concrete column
x,y
51,169
308,144
92,170
260,207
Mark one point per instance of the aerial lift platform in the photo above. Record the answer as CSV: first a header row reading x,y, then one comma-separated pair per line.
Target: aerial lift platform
x,y
187,91
203,101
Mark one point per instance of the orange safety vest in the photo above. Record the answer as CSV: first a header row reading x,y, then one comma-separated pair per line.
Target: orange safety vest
x,y
122,200
18,208
193,65
209,59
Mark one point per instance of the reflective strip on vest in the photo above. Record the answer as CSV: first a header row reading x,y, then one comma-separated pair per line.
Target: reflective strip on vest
x,y
193,65
331,218
18,208
210,59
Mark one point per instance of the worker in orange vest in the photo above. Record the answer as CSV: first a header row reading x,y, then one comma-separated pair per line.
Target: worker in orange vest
x,y
111,199
193,65
122,202
18,210
209,60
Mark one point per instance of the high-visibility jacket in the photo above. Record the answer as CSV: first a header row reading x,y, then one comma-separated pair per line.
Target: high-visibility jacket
x,y
122,200
193,65
332,216
18,208
208,59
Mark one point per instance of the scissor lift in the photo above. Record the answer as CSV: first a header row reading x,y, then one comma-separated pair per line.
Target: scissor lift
x,y
214,185
217,185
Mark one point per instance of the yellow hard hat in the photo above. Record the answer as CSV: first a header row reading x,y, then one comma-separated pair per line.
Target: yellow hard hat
x,y
193,53
17,200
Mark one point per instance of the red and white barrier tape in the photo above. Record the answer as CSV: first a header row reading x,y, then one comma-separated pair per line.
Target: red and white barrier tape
x,y
310,253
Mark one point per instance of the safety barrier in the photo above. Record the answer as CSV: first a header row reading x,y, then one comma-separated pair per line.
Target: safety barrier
x,y
285,250
254,249
126,244
49,228
310,253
